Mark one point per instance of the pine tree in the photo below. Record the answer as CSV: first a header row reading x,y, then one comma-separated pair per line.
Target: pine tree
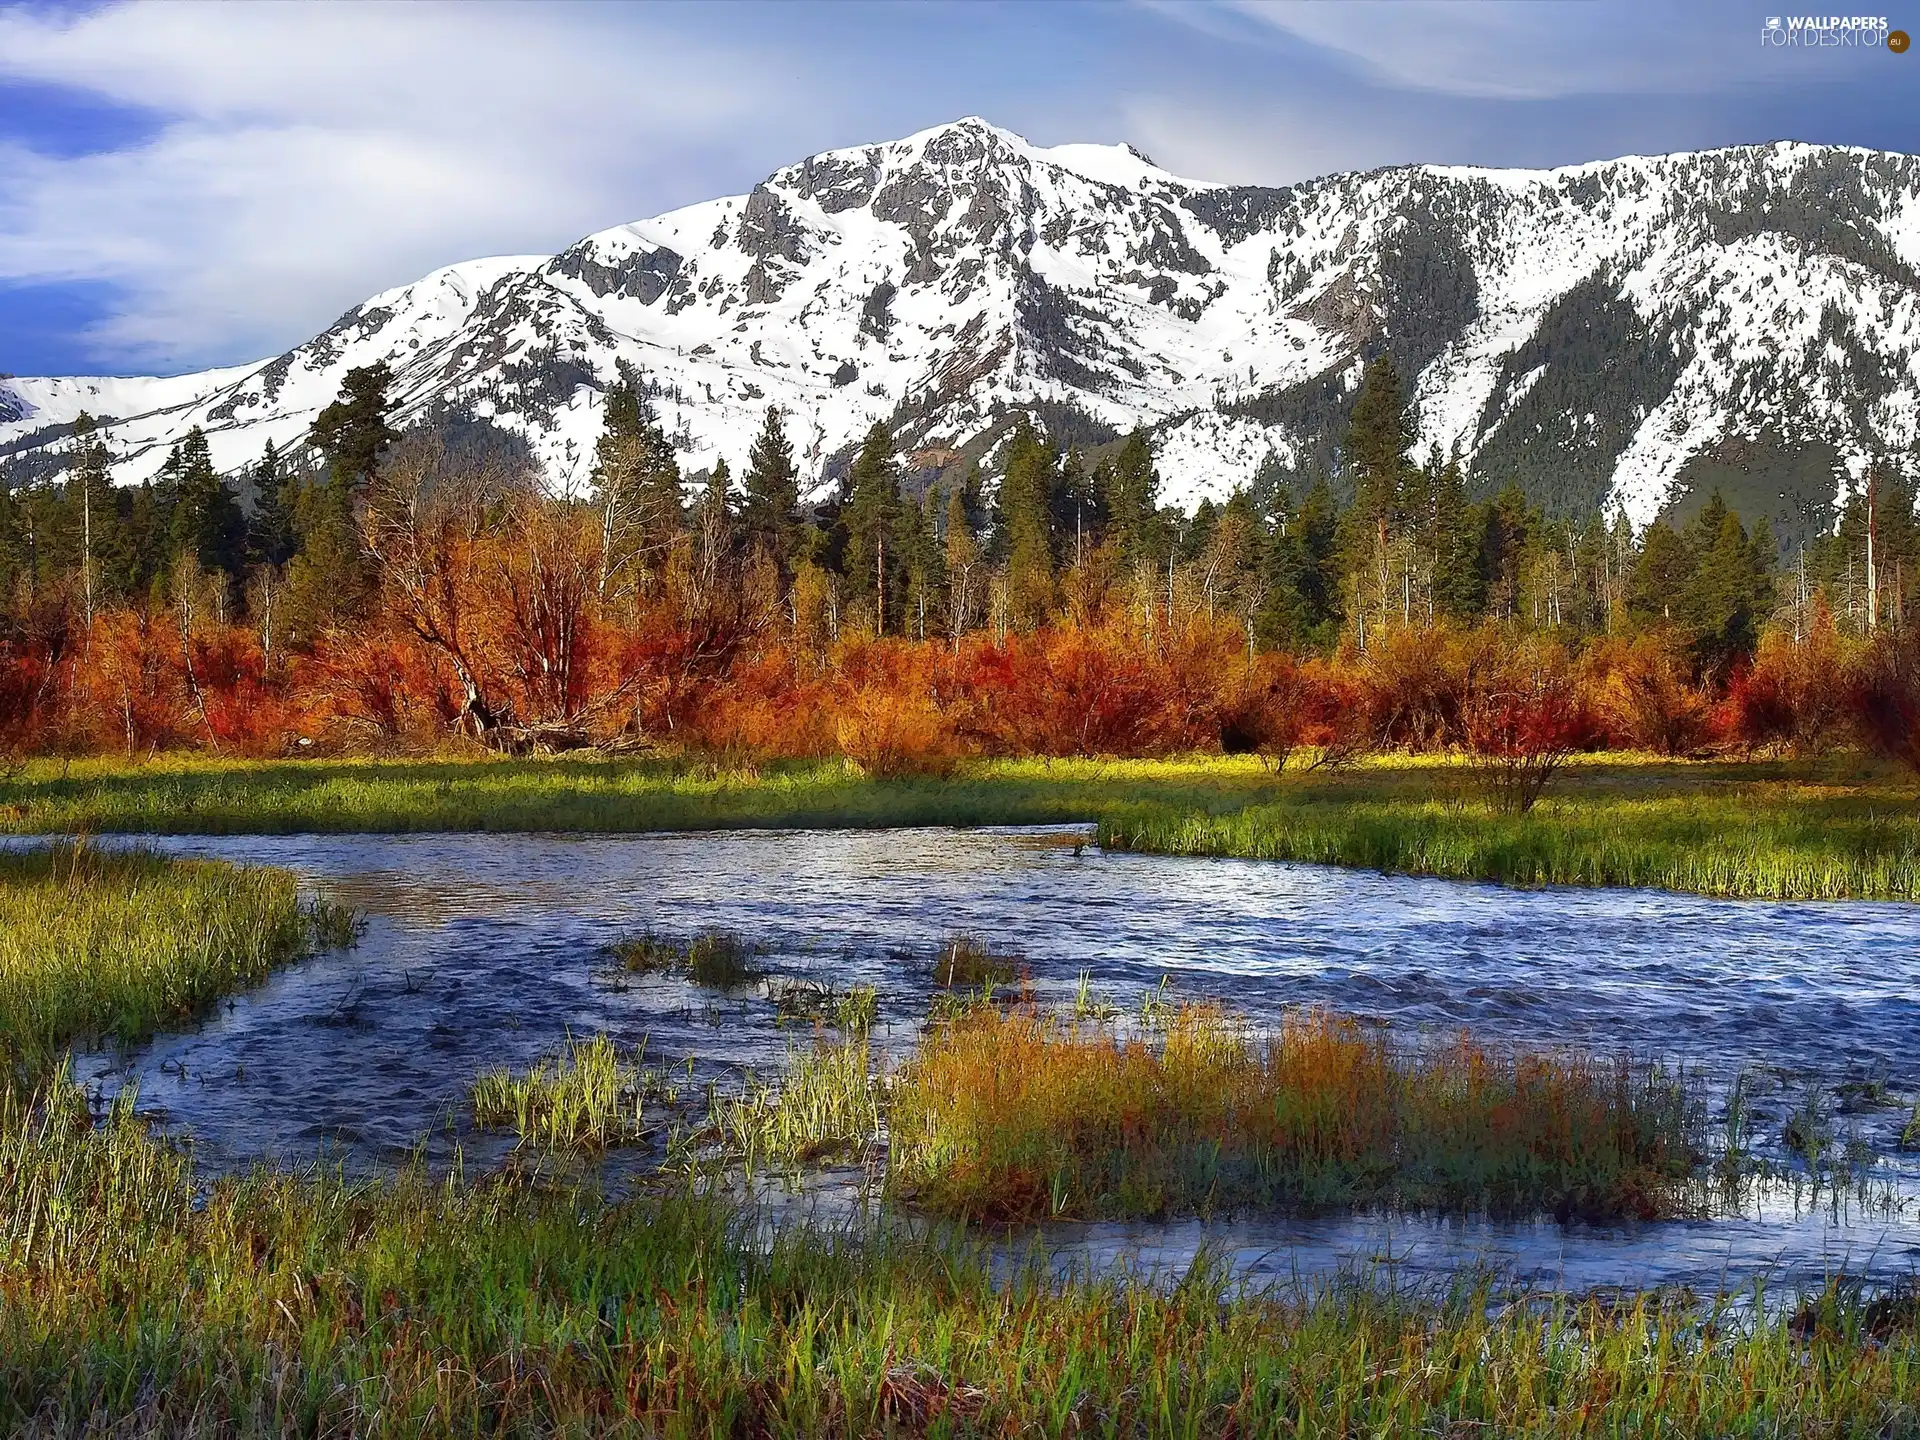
x,y
1728,587
1026,520
1377,438
714,520
871,523
923,564
1459,586
90,492
353,433
207,527
1657,589
961,557
636,486
330,579
1131,502
270,537
770,516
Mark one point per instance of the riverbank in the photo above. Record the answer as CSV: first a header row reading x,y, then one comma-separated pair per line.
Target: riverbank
x,y
1842,829
296,1303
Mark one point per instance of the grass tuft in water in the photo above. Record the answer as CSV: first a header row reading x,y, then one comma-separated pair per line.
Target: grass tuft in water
x,y
826,1103
1020,1116
812,1002
717,958
584,1098
967,962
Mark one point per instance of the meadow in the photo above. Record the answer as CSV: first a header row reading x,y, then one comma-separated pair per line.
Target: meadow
x,y
1839,828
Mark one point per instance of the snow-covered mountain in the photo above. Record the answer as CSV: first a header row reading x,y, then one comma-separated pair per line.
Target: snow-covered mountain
x,y
1626,331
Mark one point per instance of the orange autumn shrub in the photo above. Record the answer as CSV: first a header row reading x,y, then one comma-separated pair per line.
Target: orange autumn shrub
x,y
1794,697
1645,697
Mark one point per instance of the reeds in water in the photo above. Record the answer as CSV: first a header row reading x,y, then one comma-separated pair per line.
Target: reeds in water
x,y
854,1010
826,1103
584,1098
967,962
1021,1116
717,958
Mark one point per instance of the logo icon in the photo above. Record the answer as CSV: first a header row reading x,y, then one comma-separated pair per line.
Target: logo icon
x,y
1897,41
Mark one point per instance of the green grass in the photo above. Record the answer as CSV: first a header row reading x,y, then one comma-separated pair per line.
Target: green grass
x,y
854,1011
1772,830
109,946
134,1302
584,1098
826,1103
966,962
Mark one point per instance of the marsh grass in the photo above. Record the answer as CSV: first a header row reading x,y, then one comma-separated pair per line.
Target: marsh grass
x,y
717,958
301,1303
967,962
1760,841
1022,1116
826,1103
108,946
584,1098
814,1002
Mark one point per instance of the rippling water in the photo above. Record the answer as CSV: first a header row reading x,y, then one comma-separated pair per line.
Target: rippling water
x,y
483,950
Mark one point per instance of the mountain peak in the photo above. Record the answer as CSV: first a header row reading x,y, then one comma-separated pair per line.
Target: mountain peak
x,y
1622,333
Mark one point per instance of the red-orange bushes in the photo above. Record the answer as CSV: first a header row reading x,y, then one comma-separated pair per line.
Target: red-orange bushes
x,y
382,687
1073,692
129,691
1644,696
1885,697
1415,684
245,707
775,702
1525,715
1795,695
28,683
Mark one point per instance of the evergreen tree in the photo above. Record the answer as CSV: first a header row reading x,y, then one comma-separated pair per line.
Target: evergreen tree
x,y
1459,586
1131,502
353,433
1727,593
636,485
923,564
207,527
1026,504
90,501
871,523
1657,589
270,537
1377,438
960,555
1302,559
330,579
770,515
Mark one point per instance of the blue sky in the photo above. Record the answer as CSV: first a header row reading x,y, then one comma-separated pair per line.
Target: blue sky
x,y
186,185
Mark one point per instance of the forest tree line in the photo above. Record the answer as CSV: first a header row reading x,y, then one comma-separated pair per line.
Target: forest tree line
x,y
386,587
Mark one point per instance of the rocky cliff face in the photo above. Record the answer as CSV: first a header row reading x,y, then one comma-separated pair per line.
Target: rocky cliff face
x,y
1627,332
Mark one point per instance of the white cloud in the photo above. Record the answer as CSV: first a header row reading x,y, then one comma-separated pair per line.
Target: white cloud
x,y
308,155
1528,49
